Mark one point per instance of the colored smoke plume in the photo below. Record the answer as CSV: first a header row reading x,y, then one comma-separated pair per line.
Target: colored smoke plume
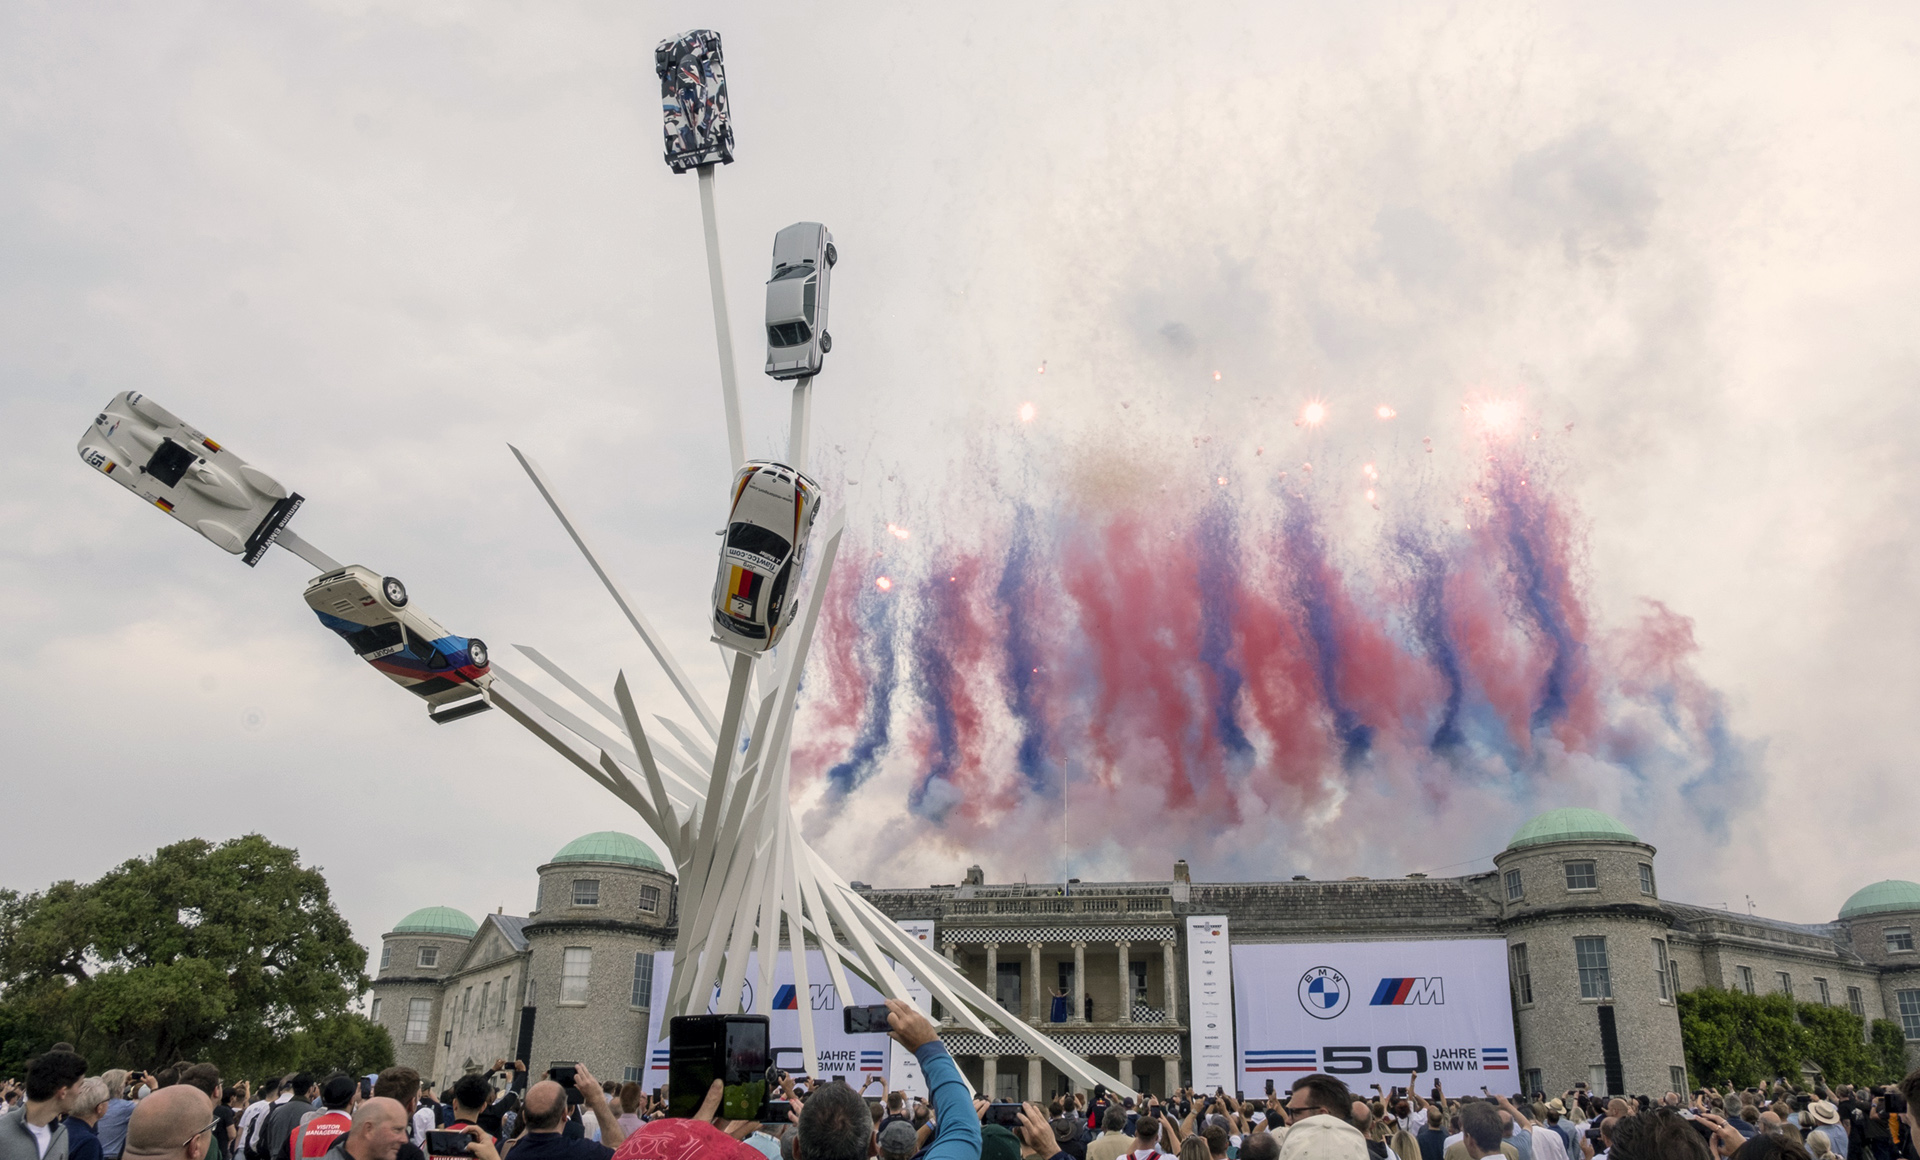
x,y
1103,658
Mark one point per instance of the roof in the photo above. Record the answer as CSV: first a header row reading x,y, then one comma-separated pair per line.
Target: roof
x,y
1881,897
1570,825
610,846
513,927
437,920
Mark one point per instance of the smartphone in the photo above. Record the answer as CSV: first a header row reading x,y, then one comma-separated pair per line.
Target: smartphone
x,y
730,1048
1006,1115
776,1112
866,1020
1269,1088
564,1074
447,1143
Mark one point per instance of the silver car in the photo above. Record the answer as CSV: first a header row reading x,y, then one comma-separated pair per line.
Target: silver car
x,y
797,338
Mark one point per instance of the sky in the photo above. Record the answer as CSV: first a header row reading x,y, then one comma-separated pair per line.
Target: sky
x,y
367,246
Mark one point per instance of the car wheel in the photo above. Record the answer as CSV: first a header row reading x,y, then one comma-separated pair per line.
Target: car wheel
x,y
833,255
826,342
394,591
477,652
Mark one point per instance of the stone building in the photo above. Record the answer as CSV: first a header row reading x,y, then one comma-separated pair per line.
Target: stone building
x,y
1596,957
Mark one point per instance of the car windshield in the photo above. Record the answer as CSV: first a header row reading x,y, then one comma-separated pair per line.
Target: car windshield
x,y
756,539
789,334
793,271
374,639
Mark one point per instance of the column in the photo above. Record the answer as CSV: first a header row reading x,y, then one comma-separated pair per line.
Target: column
x,y
992,985
1167,972
989,1074
1033,1080
1126,984
1033,980
1079,1014
1125,1068
1173,1074
953,956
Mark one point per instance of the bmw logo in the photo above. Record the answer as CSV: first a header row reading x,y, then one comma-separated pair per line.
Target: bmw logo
x,y
1324,992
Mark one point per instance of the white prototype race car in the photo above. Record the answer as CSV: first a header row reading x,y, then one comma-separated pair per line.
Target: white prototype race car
x,y
797,338
370,613
147,450
763,554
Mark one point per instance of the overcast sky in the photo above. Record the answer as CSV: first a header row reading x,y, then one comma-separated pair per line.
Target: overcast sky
x,y
365,246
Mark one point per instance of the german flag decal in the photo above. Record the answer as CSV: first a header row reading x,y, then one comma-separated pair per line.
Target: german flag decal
x,y
163,505
743,584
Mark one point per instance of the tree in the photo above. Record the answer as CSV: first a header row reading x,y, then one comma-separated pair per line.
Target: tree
x,y
225,953
1733,1037
351,1043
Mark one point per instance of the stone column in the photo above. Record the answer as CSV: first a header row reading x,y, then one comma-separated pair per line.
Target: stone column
x,y
1079,1013
1125,1068
1039,993
992,987
1167,970
989,1075
953,956
1033,1080
1126,983
1173,1075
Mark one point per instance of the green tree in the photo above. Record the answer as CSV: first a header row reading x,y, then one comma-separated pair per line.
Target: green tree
x,y
1733,1037
1890,1050
351,1043
225,953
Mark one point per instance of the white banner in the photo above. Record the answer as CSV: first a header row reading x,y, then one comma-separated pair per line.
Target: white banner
x,y
1373,1012
855,1058
1210,1003
905,1073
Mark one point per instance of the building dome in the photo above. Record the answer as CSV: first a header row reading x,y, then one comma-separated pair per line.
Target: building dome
x,y
610,846
1881,897
1573,824
437,920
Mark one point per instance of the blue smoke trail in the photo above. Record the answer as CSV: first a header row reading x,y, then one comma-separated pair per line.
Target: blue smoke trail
x,y
1024,650
1307,557
1218,575
1430,626
875,615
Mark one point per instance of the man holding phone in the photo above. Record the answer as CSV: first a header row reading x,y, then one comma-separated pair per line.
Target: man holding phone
x,y
546,1112
834,1123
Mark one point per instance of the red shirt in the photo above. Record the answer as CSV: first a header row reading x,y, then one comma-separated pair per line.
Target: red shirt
x,y
319,1135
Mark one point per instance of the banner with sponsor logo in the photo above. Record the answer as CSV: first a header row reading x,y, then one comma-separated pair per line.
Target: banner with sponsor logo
x,y
855,1058
905,1073
1371,1012
1210,1003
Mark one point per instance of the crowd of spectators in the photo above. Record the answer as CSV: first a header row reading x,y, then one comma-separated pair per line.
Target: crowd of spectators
x,y
186,1112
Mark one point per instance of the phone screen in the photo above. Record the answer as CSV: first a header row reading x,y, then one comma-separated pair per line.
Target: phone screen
x,y
730,1048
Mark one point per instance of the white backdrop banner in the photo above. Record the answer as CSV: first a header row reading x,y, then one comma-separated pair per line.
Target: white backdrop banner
x,y
1210,1003
1371,1012
905,1075
856,1058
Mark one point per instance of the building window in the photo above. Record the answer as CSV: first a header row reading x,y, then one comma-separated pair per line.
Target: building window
x,y
506,987
419,1013
1006,985
1899,938
480,1016
1786,983
1855,1003
1522,977
375,1013
1646,879
429,956
1138,969
634,1074
575,964
1677,1076
1514,892
1660,968
386,956
1582,876
1909,1012
533,992
1590,956
643,978
1820,989
649,899
586,892
1597,1078
1536,1080
465,998
1746,979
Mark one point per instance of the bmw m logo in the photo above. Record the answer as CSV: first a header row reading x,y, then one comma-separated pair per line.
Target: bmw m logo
x,y
1324,992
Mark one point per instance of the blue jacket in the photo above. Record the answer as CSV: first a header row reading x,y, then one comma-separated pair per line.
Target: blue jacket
x,y
959,1134
82,1142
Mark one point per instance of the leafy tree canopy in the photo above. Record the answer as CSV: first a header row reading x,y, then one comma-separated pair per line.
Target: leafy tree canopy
x,y
230,953
1733,1037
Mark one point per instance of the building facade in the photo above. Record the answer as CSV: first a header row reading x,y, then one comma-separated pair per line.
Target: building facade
x,y
1596,959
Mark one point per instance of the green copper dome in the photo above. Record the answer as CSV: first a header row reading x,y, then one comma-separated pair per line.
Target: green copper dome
x,y
1570,825
609,846
1881,897
437,920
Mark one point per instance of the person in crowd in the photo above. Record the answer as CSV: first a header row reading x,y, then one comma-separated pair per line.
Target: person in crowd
x,y
545,1112
1114,1140
206,1078
314,1138
85,1108
233,1101
172,1123
379,1130
402,1085
897,1141
1319,1110
1261,1146
470,1095
1481,1130
34,1130
112,1127
1432,1136
1070,1137
248,1130
632,1102
1541,1142
276,1132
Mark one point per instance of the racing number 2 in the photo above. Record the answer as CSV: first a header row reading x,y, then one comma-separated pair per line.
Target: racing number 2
x,y
1394,1059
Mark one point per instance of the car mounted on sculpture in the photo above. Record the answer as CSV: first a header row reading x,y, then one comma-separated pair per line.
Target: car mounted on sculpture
x,y
147,449
763,555
693,100
797,338
370,613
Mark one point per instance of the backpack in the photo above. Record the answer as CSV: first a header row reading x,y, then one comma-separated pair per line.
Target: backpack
x,y
253,1146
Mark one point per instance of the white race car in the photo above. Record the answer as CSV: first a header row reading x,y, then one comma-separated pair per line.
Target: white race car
x,y
150,452
370,613
764,553
797,338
